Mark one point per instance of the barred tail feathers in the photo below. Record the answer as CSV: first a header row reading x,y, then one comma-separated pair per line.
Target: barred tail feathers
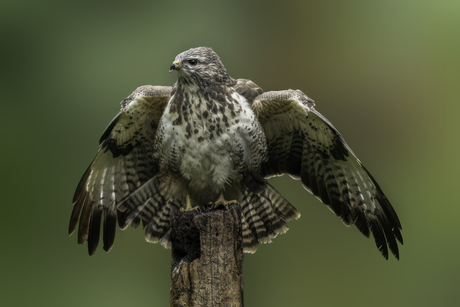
x,y
264,215
149,204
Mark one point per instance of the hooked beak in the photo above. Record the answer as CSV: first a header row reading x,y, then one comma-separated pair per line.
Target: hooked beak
x,y
174,66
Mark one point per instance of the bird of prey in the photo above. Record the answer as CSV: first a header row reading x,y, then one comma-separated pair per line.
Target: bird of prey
x,y
210,140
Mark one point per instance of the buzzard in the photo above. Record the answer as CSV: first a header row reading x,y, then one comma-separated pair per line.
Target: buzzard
x,y
210,140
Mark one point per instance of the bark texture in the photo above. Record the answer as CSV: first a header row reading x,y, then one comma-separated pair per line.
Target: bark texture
x,y
207,258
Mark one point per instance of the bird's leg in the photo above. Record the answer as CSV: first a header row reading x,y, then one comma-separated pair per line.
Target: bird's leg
x,y
222,202
188,204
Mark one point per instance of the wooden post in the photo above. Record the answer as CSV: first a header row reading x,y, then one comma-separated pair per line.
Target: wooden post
x,y
207,258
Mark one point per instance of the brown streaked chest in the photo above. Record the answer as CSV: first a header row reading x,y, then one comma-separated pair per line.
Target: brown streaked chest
x,y
205,114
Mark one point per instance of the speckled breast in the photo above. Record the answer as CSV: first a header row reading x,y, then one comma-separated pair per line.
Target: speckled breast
x,y
209,142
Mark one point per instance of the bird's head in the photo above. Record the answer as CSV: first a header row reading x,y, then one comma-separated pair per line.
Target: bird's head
x,y
200,66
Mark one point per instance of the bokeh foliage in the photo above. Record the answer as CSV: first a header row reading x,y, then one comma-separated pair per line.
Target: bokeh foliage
x,y
386,73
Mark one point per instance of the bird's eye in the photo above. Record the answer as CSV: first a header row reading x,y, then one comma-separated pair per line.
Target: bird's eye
x,y
193,62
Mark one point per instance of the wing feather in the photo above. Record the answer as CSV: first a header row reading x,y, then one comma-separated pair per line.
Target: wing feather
x,y
305,145
124,163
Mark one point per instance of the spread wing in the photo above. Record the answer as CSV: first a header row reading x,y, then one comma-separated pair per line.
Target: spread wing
x,y
305,145
123,163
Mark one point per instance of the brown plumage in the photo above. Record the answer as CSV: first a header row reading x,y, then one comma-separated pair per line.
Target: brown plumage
x,y
210,136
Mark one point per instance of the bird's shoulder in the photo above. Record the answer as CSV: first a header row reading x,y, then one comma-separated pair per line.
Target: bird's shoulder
x,y
142,108
150,93
248,89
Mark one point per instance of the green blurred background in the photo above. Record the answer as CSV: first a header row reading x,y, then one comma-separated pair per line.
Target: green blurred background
x,y
386,73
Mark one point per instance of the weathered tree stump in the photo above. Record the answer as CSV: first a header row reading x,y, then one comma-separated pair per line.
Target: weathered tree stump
x,y
207,258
